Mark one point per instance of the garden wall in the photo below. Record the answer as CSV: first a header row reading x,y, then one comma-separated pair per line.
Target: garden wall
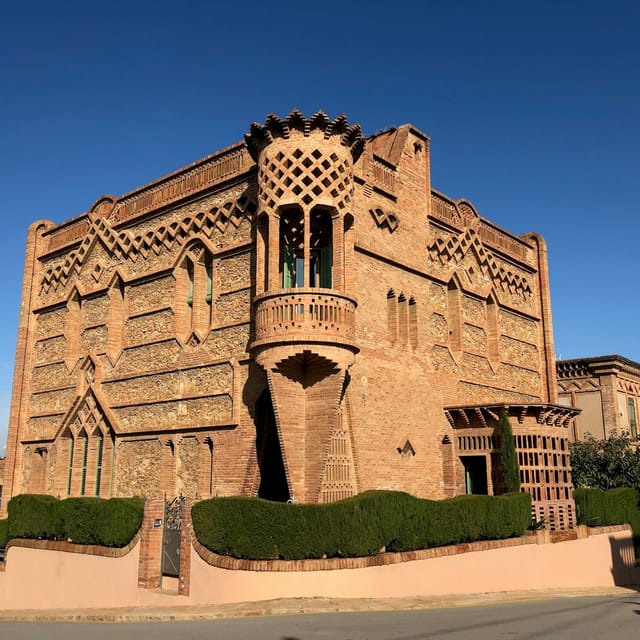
x,y
56,576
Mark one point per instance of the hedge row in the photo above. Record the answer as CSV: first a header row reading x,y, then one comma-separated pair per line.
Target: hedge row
x,y
360,526
617,506
110,523
4,533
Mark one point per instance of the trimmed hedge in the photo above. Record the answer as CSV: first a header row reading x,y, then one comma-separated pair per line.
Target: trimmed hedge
x,y
110,523
4,533
257,529
617,506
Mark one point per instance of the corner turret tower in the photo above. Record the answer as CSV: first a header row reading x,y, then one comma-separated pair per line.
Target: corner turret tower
x,y
305,310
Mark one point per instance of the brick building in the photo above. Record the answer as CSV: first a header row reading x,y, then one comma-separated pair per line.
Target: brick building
x,y
299,316
607,391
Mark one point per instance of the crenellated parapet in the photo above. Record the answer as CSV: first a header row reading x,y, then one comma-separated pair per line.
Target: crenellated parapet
x,y
305,162
275,128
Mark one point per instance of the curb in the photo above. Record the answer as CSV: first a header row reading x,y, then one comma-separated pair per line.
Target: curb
x,y
297,606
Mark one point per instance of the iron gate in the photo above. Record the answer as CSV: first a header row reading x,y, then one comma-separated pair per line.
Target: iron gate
x,y
171,536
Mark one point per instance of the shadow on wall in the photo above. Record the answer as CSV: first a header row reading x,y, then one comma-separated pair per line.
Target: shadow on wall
x,y
623,563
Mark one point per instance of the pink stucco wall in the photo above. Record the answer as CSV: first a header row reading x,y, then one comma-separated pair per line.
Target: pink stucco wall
x,y
39,579
587,562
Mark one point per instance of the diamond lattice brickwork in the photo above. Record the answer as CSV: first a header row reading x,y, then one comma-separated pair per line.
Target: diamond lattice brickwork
x,y
123,244
304,176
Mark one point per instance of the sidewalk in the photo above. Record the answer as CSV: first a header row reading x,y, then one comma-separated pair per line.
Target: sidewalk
x,y
294,606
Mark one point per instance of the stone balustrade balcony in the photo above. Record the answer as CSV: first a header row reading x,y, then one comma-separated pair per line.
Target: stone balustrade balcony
x,y
304,315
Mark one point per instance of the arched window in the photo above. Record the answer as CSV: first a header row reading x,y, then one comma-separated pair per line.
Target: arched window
x,y
402,319
90,444
392,315
413,323
194,306
306,266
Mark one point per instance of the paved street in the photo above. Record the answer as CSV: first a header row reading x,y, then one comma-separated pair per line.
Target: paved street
x,y
581,618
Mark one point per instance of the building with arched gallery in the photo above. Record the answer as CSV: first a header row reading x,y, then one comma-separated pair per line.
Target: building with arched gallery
x,y
300,316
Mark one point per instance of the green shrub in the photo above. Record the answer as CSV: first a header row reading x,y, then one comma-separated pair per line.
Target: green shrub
x,y
598,508
4,533
595,507
508,456
360,526
111,523
35,516
605,464
120,519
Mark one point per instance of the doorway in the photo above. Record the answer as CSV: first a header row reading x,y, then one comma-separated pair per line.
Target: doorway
x,y
273,479
475,474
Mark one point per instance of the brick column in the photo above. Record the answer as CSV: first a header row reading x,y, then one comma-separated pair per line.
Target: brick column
x,y
186,533
20,393
150,565
610,409
448,467
549,392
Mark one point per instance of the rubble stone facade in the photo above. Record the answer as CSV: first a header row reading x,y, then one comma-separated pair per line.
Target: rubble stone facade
x,y
606,389
300,316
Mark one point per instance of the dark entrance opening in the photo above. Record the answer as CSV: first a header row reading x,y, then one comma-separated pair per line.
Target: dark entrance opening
x,y
273,480
171,536
475,474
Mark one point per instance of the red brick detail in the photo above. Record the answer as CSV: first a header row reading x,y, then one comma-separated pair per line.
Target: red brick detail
x,y
150,566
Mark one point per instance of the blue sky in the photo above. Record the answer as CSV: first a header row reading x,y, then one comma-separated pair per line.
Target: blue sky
x,y
532,108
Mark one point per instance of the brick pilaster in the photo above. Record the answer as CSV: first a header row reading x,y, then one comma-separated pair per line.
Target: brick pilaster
x,y
150,565
21,375
186,533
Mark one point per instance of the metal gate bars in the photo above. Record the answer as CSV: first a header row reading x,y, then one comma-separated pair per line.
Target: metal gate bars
x,y
171,536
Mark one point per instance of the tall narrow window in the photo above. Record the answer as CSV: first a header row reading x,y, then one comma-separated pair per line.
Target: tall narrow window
x,y
210,449
292,248
402,319
85,455
392,314
194,309
413,323
209,269
70,476
321,251
99,450
191,282
633,423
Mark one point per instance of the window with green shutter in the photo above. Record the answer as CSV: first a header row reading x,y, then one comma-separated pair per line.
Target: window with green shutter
x,y
288,268
292,248
633,423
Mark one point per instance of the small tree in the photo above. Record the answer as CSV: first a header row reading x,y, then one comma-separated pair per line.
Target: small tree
x,y
510,467
605,464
